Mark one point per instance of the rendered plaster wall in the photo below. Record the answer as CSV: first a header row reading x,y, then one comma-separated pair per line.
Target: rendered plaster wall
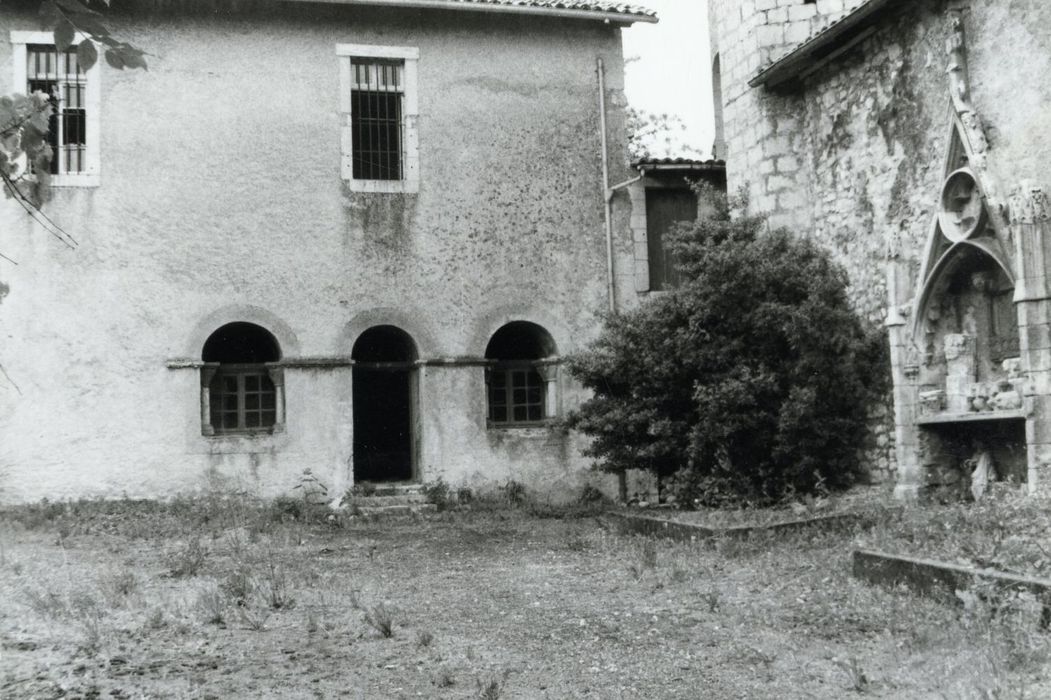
x,y
855,157
221,200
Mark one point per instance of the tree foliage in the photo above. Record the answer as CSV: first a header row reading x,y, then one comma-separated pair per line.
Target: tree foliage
x,y
753,376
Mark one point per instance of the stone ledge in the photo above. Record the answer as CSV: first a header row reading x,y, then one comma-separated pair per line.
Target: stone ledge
x,y
631,523
940,580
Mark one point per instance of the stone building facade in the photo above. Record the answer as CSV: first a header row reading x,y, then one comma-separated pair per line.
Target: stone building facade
x,y
261,285
911,139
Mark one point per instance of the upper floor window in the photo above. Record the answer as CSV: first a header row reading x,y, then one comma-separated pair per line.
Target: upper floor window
x,y
379,108
74,126
665,209
522,376
242,390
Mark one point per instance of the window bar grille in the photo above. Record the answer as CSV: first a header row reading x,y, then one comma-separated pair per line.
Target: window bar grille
x,y
59,76
376,108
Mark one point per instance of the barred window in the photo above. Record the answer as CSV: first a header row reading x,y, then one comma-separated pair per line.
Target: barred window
x,y
243,390
58,75
376,97
521,376
379,109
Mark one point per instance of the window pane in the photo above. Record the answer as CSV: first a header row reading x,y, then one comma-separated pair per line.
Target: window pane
x,y
535,413
520,414
252,419
269,418
251,402
252,382
498,414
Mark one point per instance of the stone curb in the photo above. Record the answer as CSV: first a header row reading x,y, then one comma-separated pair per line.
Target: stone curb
x,y
630,523
940,580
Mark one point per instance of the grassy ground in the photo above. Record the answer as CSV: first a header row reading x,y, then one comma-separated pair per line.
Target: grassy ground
x,y
216,600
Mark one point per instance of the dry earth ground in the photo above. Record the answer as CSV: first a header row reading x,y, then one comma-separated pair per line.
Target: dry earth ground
x,y
494,605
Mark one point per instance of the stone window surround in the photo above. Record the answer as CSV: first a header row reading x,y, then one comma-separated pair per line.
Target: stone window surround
x,y
92,96
410,182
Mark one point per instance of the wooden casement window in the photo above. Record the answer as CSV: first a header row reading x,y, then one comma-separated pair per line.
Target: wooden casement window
x,y
516,394
242,398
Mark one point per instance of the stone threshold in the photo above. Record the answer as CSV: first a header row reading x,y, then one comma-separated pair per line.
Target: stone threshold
x,y
940,580
633,523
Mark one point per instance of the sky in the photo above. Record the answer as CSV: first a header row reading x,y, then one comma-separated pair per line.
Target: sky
x,y
671,72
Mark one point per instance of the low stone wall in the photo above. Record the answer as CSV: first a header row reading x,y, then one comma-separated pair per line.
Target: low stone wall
x,y
940,580
636,524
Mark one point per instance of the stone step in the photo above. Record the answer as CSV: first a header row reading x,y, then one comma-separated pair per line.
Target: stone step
x,y
380,501
397,511
395,489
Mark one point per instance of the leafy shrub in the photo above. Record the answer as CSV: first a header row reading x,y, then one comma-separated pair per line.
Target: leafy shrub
x,y
515,492
591,496
754,374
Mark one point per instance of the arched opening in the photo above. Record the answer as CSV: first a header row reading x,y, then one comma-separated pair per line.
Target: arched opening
x,y
240,392
384,395
521,378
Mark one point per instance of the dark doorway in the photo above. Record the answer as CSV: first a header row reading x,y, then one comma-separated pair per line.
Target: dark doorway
x,y
384,405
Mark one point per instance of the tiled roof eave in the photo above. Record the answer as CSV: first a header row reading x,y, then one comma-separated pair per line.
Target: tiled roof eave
x,y
824,46
619,13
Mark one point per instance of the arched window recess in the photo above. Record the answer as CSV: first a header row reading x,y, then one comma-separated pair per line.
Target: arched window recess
x,y
242,386
521,376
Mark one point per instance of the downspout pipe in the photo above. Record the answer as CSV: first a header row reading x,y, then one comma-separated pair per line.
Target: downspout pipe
x,y
608,190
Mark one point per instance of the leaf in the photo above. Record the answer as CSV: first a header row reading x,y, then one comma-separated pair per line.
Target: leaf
x,y
87,54
132,57
65,33
115,59
76,7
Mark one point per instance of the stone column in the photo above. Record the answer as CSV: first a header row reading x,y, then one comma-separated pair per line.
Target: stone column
x,y
549,373
1030,227
208,370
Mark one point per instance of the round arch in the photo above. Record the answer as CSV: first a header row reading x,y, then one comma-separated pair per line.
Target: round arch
x,y
242,313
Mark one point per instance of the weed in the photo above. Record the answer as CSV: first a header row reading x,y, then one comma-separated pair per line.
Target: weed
x,y
238,584
45,603
493,688
188,560
515,492
90,625
859,682
648,555
424,639
464,495
312,623
711,597
254,620
445,679
381,619
212,605
278,596
123,584
679,574
577,544
156,619
438,493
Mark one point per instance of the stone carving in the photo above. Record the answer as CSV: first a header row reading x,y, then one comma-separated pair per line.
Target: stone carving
x,y
978,396
932,402
1007,397
982,470
959,346
1012,367
960,90
1028,204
